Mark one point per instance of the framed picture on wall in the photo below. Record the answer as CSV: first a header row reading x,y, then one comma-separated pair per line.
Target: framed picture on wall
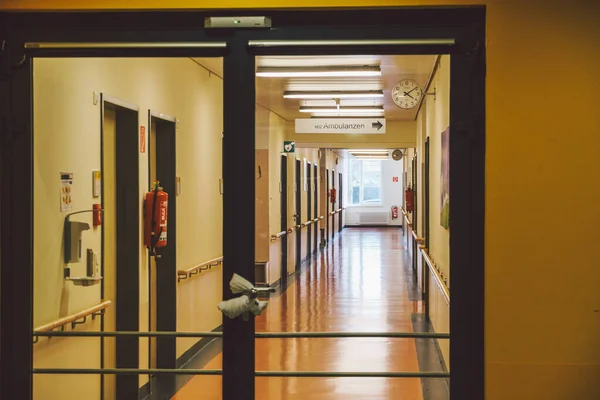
x,y
445,181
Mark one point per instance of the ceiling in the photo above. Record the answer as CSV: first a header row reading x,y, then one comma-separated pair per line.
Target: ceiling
x,y
269,91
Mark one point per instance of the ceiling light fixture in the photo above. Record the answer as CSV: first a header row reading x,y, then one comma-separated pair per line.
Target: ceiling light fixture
x,y
367,94
359,152
347,116
373,157
317,72
342,110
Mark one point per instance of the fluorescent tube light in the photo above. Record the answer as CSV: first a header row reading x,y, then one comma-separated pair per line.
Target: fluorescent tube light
x,y
359,152
342,110
317,72
349,115
367,94
374,157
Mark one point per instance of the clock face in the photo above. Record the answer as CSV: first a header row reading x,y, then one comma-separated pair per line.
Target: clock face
x,y
406,93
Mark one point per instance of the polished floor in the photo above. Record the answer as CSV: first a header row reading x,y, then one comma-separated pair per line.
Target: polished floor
x,y
361,282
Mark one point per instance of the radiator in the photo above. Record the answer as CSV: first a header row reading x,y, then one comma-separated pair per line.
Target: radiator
x,y
373,218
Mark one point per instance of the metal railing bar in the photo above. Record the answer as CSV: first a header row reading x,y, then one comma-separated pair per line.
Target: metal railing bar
x,y
361,42
258,335
125,371
123,45
291,374
132,333
307,335
325,374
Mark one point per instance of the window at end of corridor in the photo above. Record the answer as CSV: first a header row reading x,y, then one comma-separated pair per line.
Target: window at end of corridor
x,y
365,182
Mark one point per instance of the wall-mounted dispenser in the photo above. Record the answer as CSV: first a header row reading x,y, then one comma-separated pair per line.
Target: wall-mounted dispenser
x,y
73,230
73,250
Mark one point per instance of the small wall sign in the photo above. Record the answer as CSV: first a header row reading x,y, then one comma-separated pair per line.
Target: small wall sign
x,y
142,139
96,183
66,191
289,146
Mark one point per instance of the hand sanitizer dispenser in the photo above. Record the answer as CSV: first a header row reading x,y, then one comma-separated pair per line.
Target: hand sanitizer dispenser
x,y
73,231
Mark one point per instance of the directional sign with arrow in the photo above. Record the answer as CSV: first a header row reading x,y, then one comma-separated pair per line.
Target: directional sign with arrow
x,y
377,125
350,126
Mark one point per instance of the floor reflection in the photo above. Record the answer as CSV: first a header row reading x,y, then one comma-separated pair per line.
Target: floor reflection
x,y
360,283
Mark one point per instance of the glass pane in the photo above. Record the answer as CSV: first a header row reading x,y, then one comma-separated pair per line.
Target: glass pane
x,y
105,130
354,279
355,196
371,194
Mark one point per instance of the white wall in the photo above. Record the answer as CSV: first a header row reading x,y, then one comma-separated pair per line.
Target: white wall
x,y
391,195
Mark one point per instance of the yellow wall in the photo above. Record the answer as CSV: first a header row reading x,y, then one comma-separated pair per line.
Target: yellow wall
x,y
67,138
435,118
541,328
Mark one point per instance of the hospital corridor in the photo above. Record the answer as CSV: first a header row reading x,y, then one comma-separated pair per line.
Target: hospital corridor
x,y
316,200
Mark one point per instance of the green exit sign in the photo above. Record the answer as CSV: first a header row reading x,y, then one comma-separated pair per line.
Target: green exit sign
x,y
289,146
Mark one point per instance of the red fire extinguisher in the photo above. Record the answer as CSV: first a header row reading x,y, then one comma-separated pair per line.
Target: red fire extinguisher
x,y
394,212
409,195
155,219
333,195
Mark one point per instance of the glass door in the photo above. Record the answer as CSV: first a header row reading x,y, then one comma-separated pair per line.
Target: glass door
x,y
235,179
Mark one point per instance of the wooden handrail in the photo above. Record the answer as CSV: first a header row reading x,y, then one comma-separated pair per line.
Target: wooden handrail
x,y
187,273
283,233
405,214
437,274
73,319
278,235
418,239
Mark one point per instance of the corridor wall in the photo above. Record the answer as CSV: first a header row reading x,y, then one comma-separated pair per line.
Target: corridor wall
x,y
277,127
432,120
67,138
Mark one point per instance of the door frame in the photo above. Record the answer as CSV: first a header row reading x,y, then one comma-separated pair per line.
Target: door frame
x,y
327,203
309,199
127,285
465,25
284,220
165,166
340,201
315,189
333,205
298,213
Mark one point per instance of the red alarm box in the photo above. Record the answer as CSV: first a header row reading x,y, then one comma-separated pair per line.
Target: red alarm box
x,y
97,214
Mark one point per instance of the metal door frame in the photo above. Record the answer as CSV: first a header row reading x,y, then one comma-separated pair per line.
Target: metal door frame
x,y
315,184
284,220
465,25
298,208
309,199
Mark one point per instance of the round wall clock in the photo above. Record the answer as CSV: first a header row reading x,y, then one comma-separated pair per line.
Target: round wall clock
x,y
406,93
